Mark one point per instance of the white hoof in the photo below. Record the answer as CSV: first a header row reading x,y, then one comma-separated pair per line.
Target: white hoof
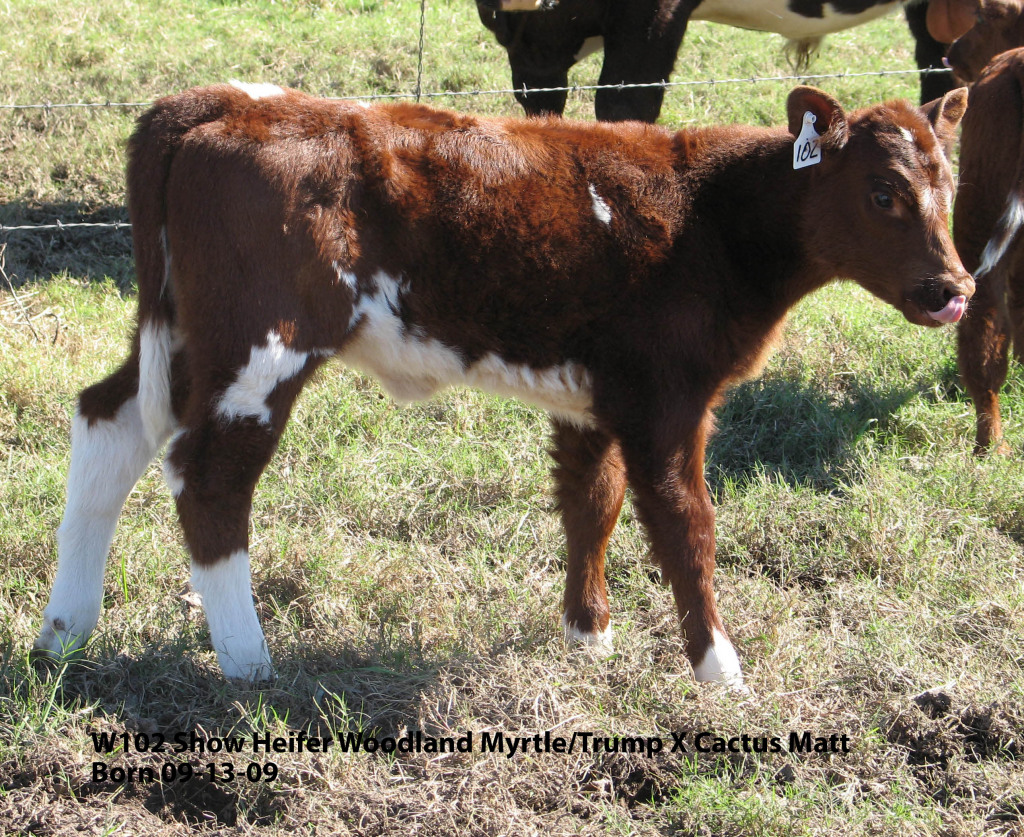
x,y
721,664
601,643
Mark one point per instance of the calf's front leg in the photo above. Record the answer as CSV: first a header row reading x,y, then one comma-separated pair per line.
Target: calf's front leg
x,y
666,472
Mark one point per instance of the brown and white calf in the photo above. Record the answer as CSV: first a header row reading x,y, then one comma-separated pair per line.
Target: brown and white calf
x,y
987,223
619,275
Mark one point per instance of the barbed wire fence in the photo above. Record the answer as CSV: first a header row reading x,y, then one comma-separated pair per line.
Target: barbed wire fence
x,y
419,94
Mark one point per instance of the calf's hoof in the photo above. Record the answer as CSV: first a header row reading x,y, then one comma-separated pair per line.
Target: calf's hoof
x,y
600,642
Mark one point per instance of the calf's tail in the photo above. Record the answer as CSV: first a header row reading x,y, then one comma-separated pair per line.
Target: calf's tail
x,y
158,135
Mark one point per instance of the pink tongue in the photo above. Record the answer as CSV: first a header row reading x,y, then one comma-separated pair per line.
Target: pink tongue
x,y
953,311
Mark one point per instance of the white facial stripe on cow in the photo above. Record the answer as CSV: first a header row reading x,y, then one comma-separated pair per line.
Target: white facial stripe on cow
x,y
721,664
412,366
602,211
602,641
258,90
1006,231
235,632
267,367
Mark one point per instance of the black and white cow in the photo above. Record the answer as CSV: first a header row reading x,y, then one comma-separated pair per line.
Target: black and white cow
x,y
544,38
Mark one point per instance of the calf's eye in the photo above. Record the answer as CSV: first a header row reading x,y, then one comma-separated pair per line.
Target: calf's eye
x,y
883,200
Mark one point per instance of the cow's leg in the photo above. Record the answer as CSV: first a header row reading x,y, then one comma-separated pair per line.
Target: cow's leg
x,y
213,465
114,435
665,466
640,47
590,483
529,85
929,54
983,343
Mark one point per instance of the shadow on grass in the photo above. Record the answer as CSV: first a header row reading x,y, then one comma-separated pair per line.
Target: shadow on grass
x,y
85,252
806,433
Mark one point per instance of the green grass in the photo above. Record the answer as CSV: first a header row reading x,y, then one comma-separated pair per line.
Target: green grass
x,y
408,564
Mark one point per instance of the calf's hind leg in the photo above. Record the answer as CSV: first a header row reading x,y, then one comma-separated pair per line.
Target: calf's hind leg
x,y
111,445
590,483
213,466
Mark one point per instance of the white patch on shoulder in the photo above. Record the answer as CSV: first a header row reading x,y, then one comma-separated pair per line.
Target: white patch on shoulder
x,y
257,90
267,367
413,366
602,211
602,641
1007,229
721,664
235,632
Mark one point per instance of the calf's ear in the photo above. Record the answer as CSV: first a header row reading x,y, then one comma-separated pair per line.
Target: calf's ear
x,y
945,114
830,120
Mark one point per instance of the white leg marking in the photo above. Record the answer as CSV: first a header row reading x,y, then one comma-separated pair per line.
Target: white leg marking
x,y
155,381
721,664
235,632
1006,231
268,366
107,460
602,642
258,90
602,211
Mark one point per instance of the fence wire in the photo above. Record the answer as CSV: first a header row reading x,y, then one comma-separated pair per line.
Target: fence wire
x,y
418,94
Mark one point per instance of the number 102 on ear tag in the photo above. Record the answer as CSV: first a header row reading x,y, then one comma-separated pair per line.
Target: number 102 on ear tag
x,y
807,148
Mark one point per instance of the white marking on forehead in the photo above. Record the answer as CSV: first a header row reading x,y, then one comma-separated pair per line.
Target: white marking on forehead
x,y
1009,226
602,211
258,90
267,367
412,366
908,135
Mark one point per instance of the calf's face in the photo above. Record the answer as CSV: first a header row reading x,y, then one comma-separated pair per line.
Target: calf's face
x,y
998,27
879,203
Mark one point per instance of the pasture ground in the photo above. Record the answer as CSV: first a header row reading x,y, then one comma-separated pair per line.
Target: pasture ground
x,y
408,564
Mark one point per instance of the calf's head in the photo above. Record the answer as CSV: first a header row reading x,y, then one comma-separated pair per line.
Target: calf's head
x,y
998,25
877,205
